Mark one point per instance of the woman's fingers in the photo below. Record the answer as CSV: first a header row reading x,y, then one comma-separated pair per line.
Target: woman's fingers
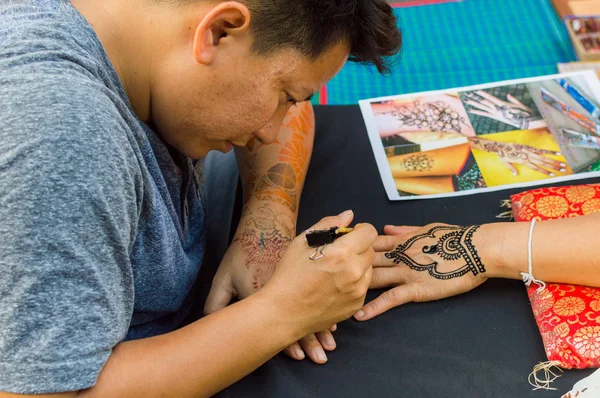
x,y
399,229
381,260
490,98
548,163
313,348
392,298
326,340
518,103
384,277
510,166
294,351
478,105
532,165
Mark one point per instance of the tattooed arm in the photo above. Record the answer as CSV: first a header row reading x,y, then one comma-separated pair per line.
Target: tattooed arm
x,y
272,180
439,260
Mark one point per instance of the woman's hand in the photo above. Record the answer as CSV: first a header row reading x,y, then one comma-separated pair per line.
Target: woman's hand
x,y
423,264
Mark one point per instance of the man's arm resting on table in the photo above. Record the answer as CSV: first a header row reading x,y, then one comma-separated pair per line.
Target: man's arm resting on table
x,y
199,359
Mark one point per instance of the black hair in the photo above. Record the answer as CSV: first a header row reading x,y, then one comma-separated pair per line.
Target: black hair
x,y
314,26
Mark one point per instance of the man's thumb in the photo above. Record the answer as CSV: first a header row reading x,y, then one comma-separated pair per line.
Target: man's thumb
x,y
219,296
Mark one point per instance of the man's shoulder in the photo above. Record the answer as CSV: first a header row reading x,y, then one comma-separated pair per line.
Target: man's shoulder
x,y
63,106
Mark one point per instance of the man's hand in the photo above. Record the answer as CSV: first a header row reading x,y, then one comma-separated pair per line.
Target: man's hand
x,y
423,264
324,291
259,244
261,240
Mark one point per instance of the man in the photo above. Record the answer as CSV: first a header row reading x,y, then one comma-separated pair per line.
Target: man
x,y
106,107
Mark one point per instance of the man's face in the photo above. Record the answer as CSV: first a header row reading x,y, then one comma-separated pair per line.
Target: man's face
x,y
241,95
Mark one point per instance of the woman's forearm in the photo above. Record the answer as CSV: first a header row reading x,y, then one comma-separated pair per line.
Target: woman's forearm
x,y
563,250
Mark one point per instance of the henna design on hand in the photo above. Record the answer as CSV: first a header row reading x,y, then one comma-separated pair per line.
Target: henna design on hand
x,y
434,116
454,245
511,153
419,163
512,111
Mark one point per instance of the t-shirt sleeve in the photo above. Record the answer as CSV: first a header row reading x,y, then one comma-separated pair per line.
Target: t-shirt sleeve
x,y
68,212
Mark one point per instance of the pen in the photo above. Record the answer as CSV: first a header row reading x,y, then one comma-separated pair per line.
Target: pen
x,y
570,112
581,140
319,237
580,98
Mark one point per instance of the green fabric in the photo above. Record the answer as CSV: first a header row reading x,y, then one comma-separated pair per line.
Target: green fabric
x,y
460,44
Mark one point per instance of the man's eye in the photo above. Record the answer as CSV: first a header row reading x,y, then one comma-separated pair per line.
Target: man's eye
x,y
290,100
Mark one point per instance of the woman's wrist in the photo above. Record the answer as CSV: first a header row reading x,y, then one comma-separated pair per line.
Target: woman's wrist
x,y
502,248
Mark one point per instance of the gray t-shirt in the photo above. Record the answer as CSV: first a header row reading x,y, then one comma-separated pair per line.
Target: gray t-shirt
x,y
101,223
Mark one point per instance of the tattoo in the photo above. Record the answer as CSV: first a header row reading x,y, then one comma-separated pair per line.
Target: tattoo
x,y
295,151
435,116
279,185
265,238
518,116
418,163
454,244
511,152
515,116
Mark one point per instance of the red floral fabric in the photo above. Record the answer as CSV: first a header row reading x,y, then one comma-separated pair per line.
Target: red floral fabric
x,y
568,316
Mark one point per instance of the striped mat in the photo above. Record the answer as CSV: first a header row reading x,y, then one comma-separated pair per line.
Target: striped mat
x,y
454,44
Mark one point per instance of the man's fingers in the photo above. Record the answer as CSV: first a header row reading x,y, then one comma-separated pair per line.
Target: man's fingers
x,y
388,300
221,293
294,351
385,243
333,328
399,229
360,240
342,220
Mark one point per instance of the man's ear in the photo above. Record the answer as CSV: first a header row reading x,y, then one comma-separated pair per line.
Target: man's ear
x,y
229,19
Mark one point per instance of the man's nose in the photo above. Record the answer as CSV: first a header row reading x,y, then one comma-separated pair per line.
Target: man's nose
x,y
270,131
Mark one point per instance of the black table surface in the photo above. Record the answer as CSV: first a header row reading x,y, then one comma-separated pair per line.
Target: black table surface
x,y
480,344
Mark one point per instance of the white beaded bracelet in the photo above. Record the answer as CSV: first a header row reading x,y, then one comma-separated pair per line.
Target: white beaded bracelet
x,y
528,276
